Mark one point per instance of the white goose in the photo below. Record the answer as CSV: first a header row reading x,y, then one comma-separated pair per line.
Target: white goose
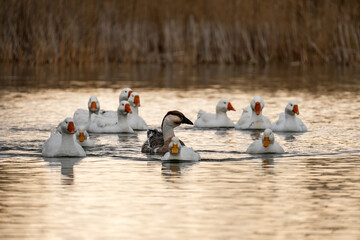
x,y
62,142
252,117
158,142
82,116
135,121
112,115
125,94
101,125
83,138
266,144
220,119
288,122
179,152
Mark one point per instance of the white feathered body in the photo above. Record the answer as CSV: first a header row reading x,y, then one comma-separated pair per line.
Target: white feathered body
x,y
185,154
249,120
86,143
135,121
258,147
288,123
211,120
110,116
103,125
62,145
81,117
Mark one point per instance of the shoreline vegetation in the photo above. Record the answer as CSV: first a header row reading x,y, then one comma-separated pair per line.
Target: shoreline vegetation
x,y
78,32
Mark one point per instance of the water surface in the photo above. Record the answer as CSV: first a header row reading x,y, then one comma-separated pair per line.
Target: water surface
x,y
310,192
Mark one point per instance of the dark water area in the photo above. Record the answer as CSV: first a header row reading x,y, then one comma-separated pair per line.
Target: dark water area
x,y
312,79
312,191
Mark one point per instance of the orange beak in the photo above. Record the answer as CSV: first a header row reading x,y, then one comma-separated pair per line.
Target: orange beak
x,y
71,127
230,107
93,106
296,109
129,93
175,149
137,100
257,108
81,137
128,108
266,141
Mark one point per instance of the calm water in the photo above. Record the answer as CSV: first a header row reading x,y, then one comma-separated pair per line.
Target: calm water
x,y
310,192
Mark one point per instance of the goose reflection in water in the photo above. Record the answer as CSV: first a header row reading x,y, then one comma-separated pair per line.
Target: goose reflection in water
x,y
67,168
290,136
267,162
255,135
268,165
173,169
222,131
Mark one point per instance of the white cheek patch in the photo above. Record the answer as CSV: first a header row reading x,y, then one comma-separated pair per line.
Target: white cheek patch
x,y
175,119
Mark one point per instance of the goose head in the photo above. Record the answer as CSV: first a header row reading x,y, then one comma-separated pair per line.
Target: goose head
x,y
292,108
93,105
124,108
125,94
67,126
257,105
224,105
268,137
134,99
81,134
174,119
174,146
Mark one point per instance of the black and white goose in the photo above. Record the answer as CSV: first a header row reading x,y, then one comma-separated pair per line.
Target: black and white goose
x,y
158,141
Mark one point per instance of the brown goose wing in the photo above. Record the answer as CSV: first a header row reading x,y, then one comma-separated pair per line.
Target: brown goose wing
x,y
154,140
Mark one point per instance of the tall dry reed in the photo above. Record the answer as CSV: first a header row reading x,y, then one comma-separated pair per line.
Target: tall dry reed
x,y
180,31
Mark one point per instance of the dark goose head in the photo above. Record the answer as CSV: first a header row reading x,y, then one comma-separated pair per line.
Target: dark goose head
x,y
177,118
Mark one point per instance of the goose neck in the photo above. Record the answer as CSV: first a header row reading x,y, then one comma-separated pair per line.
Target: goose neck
x,y
168,132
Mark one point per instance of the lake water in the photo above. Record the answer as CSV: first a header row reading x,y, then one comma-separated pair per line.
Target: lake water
x,y
310,192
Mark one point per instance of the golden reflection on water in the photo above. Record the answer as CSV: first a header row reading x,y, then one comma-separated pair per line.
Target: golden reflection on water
x,y
311,191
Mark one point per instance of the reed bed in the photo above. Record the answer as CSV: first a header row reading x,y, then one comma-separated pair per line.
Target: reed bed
x,y
180,31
